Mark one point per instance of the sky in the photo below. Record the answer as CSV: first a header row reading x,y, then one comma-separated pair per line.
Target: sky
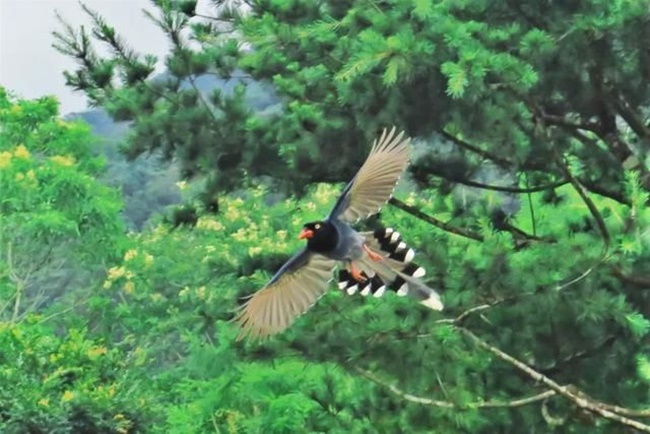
x,y
31,68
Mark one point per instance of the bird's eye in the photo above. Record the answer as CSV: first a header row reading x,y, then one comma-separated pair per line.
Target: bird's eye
x,y
317,226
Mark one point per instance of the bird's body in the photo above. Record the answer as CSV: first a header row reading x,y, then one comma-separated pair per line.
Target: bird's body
x,y
347,242
370,262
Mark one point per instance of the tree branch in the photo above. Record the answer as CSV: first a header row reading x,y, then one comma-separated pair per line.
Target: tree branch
x,y
642,282
485,154
515,190
610,412
434,221
447,404
623,108
596,189
602,227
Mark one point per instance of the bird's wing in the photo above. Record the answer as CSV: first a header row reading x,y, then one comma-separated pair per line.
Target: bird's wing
x,y
291,292
374,183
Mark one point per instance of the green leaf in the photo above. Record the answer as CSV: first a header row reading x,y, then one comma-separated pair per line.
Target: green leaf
x,y
456,79
423,9
638,324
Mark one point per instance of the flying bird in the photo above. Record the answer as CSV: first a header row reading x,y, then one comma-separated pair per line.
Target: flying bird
x,y
368,262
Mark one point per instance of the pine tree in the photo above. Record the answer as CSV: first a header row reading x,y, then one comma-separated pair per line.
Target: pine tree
x,y
532,134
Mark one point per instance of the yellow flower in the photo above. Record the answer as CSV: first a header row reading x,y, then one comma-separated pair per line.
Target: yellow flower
x,y
129,287
240,235
68,396
148,259
124,424
206,223
130,254
21,152
232,214
200,292
44,402
252,251
323,194
116,272
61,160
411,200
5,159
183,292
107,284
182,185
31,175
95,352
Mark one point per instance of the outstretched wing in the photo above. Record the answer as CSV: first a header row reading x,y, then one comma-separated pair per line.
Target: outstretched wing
x,y
290,293
374,183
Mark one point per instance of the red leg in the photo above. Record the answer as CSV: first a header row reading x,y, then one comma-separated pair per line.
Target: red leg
x,y
374,256
356,274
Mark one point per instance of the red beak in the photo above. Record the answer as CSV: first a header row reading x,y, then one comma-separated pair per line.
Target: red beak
x,y
305,234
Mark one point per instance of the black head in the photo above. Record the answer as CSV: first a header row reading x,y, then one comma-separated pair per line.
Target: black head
x,y
321,236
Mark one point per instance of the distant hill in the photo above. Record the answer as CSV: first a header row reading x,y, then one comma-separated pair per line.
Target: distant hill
x,y
147,183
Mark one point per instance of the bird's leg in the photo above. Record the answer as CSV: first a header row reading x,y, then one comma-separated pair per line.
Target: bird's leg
x,y
356,274
374,256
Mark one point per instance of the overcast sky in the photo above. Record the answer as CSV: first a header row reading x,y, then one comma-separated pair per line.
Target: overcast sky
x,y
29,65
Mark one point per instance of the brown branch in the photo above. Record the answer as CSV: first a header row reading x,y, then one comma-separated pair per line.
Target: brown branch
x,y
475,149
434,221
623,108
447,404
643,282
511,189
602,227
600,191
480,308
558,365
610,412
561,121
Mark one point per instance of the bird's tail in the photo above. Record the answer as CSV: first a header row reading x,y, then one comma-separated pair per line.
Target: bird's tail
x,y
395,272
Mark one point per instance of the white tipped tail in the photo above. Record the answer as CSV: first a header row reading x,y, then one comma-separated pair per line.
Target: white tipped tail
x,y
433,302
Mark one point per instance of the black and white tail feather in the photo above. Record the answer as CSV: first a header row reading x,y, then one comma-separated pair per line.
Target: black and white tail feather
x,y
396,272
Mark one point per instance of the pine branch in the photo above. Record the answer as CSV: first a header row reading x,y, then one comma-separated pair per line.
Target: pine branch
x,y
579,355
514,190
447,404
562,121
212,18
434,221
504,162
642,282
602,227
607,411
600,191
476,309
205,103
600,222
624,109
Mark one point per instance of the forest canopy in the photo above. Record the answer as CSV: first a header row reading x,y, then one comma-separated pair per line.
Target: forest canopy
x,y
526,201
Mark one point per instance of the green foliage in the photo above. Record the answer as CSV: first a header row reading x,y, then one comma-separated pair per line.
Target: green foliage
x,y
55,218
67,384
530,211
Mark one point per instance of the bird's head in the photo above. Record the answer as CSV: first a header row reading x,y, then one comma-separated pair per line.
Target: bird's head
x,y
321,236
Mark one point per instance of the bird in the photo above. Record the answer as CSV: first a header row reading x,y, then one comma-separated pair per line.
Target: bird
x,y
367,262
